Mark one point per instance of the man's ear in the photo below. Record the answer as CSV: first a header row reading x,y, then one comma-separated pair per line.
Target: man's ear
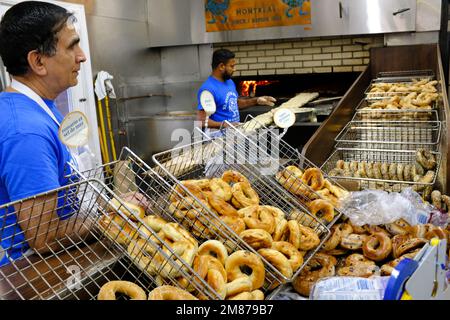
x,y
35,62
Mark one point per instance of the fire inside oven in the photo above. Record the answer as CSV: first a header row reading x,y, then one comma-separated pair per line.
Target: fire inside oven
x,y
285,87
330,87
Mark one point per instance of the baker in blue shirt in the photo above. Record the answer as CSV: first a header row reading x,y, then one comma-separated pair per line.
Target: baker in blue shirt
x,y
40,49
224,91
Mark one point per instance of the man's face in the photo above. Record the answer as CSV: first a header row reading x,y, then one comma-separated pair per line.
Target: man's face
x,y
228,69
63,67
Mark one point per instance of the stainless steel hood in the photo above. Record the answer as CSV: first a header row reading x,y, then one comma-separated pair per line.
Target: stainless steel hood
x,y
182,22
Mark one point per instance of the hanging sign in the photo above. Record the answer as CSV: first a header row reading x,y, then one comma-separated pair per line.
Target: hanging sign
x,y
227,15
74,130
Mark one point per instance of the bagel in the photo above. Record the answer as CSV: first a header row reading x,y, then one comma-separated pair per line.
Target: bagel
x,y
108,291
385,171
436,199
234,223
215,249
393,172
231,176
338,231
408,246
314,179
244,195
244,258
154,222
377,247
117,229
280,229
398,227
355,259
292,233
170,293
340,164
353,241
257,217
292,171
377,171
323,207
361,270
132,211
222,207
181,190
257,238
221,189
254,295
294,257
239,285
308,238
426,159
278,260
324,266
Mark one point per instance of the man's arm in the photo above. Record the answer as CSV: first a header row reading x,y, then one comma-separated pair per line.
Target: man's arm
x,y
244,103
201,117
42,226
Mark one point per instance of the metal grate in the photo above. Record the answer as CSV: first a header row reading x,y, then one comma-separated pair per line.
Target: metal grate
x,y
393,135
75,257
388,157
133,175
272,149
399,78
376,115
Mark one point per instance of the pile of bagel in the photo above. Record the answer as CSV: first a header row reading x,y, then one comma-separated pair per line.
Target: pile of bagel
x,y
112,289
365,251
281,242
423,86
422,171
210,261
311,188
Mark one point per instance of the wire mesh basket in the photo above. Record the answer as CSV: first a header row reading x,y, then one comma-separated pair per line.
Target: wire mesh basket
x,y
392,135
79,247
393,166
209,159
134,178
271,148
369,115
402,84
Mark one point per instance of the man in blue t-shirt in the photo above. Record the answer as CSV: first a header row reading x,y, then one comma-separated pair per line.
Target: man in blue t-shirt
x,y
40,49
224,91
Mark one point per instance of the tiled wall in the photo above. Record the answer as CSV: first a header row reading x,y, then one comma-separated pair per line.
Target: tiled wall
x,y
300,56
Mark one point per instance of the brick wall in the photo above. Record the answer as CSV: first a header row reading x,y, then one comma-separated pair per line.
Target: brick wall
x,y
300,56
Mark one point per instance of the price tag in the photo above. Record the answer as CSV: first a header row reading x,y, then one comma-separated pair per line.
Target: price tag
x,y
207,102
74,130
284,118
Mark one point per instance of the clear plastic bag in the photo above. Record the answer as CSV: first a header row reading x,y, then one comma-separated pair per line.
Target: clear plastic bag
x,y
377,207
349,288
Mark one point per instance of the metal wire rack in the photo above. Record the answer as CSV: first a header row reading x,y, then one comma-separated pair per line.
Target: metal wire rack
x,y
369,115
210,159
393,135
398,78
271,148
78,247
132,176
357,157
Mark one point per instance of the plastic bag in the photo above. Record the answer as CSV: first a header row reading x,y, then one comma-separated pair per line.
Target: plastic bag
x,y
349,288
377,207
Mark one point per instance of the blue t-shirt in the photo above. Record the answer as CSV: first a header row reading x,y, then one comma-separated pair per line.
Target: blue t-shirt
x,y
33,160
226,98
